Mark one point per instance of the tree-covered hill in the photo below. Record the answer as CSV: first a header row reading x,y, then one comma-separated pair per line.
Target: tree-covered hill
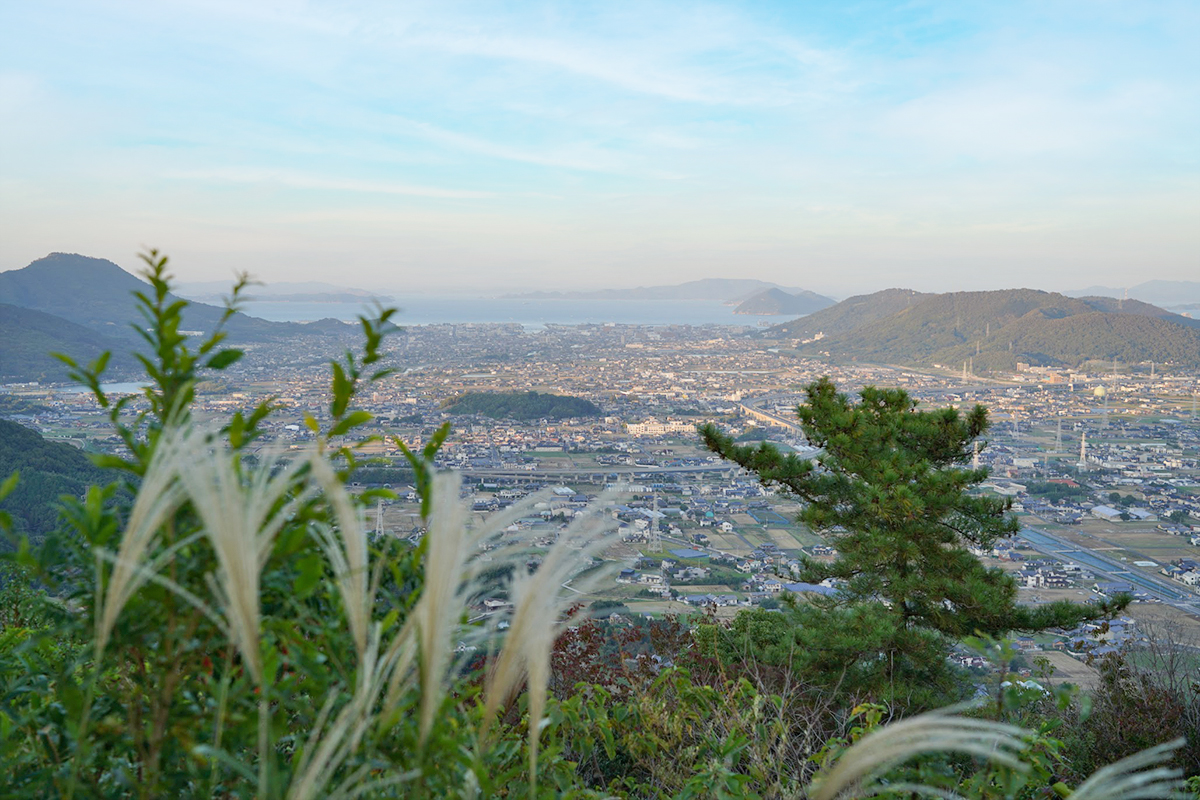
x,y
30,336
1068,341
48,470
999,328
777,301
522,405
851,313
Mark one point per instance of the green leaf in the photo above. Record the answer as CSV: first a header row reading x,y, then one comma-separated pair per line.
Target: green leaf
x,y
311,569
224,358
342,390
353,420
9,484
311,423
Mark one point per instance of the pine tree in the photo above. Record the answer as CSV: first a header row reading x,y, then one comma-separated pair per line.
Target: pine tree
x,y
890,489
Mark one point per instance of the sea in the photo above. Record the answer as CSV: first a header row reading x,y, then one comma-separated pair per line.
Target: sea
x,y
532,314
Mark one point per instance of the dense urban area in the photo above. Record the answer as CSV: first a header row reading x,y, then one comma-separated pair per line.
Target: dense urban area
x,y
1103,465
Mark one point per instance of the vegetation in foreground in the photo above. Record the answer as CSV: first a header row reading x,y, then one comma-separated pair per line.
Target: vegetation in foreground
x,y
229,631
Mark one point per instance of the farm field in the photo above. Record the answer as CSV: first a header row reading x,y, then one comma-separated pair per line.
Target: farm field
x,y
1068,669
1132,544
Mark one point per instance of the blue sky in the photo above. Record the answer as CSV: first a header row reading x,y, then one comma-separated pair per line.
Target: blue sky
x,y
839,146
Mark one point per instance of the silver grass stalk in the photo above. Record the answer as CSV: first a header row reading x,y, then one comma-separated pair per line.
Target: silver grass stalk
x,y
330,745
347,552
539,605
451,563
240,527
429,632
1140,776
935,732
157,499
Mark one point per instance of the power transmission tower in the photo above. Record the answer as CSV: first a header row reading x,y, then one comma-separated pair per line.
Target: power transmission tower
x,y
379,519
654,543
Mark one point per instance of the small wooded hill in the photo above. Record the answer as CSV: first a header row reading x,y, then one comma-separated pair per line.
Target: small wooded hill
x,y
777,301
522,405
998,329
47,470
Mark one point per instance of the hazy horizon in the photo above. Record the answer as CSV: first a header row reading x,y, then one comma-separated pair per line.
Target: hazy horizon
x,y
842,149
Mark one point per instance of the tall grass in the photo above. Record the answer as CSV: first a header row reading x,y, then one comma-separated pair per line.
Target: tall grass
x,y
242,512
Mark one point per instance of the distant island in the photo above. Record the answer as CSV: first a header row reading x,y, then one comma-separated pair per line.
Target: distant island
x,y
283,292
775,302
522,405
723,290
1161,293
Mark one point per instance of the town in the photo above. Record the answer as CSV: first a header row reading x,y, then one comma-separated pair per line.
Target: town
x,y
1103,466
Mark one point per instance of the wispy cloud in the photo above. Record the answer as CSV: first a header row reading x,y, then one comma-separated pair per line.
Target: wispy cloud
x,y
300,180
620,139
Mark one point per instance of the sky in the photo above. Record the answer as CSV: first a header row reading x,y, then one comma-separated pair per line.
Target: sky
x,y
838,146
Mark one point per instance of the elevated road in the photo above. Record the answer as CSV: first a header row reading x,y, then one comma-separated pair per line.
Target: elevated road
x,y
601,470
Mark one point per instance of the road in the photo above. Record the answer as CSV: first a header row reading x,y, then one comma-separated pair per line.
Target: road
x,y
607,469
1110,568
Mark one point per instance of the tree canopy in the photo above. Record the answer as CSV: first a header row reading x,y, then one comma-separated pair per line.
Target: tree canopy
x,y
522,405
891,489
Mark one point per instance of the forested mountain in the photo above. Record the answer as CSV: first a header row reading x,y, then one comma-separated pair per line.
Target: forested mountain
x,y
98,294
777,301
851,313
522,405
48,470
30,336
997,329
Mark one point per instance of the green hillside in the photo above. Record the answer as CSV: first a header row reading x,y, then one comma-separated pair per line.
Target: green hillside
x,y
1068,341
522,405
851,313
48,469
30,336
997,329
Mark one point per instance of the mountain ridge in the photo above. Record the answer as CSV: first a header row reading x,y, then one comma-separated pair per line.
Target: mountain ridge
x,y
98,294
30,336
994,329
